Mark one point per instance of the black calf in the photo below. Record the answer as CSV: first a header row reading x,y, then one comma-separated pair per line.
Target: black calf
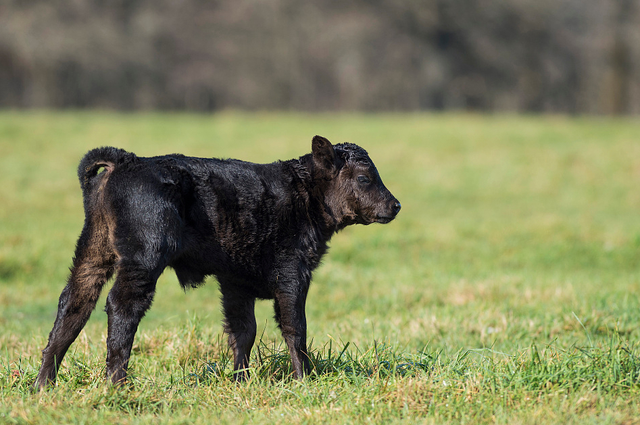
x,y
261,229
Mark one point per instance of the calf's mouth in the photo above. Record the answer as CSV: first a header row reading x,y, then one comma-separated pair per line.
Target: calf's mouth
x,y
389,215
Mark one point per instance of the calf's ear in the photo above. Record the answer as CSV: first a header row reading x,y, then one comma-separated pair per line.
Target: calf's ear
x,y
323,154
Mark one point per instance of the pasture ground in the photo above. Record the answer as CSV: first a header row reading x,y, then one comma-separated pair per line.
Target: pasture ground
x,y
507,290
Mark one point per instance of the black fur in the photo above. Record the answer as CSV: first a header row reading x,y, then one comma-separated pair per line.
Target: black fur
x,y
261,229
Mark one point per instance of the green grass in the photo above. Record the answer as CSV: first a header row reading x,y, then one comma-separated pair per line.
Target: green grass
x,y
507,290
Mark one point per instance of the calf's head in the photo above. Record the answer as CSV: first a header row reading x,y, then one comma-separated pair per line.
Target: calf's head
x,y
354,192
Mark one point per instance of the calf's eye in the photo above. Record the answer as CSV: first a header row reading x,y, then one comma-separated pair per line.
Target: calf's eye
x,y
363,179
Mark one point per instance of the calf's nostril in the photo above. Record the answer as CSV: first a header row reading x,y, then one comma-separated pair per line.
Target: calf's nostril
x,y
396,207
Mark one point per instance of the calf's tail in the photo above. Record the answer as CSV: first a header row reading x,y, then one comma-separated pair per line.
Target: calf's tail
x,y
107,158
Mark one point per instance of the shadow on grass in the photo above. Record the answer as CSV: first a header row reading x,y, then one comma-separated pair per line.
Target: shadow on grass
x,y
615,364
272,363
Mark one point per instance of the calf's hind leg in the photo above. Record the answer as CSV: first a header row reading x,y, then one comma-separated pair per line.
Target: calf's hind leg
x,y
127,303
93,265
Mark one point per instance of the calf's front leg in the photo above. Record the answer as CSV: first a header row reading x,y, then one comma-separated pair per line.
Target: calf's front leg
x,y
240,324
290,313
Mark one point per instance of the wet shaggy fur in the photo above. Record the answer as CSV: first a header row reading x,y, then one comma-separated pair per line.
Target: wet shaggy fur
x,y
260,229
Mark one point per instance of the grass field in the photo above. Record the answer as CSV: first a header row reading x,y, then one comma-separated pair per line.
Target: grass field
x,y
506,291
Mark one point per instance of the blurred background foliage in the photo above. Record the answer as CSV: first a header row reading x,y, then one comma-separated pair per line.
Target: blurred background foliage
x,y
567,56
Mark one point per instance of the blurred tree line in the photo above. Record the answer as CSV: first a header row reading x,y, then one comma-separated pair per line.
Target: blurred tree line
x,y
570,56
